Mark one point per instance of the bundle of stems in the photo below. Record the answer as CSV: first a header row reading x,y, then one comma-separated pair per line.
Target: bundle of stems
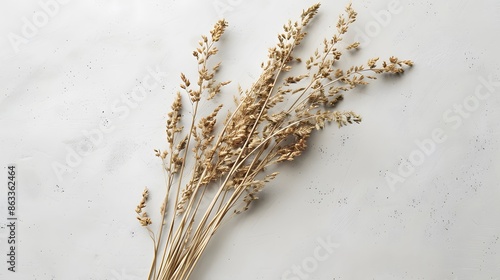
x,y
214,171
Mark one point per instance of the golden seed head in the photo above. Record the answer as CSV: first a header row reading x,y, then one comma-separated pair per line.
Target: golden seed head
x,y
218,30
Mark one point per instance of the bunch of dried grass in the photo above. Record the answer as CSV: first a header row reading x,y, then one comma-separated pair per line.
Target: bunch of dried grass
x,y
271,124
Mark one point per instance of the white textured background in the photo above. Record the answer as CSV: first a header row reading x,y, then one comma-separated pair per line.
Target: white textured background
x,y
440,221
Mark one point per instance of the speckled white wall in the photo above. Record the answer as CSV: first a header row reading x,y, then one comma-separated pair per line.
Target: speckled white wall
x,y
411,193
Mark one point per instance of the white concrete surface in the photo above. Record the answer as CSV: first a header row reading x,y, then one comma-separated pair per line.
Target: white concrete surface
x,y
68,69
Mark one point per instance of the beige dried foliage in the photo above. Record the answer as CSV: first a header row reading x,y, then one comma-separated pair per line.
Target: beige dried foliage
x,y
233,157
142,216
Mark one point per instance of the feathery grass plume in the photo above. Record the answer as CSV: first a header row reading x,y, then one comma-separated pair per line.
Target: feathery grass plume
x,y
230,158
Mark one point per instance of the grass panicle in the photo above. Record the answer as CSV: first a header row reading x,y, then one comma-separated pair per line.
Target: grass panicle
x,y
217,166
